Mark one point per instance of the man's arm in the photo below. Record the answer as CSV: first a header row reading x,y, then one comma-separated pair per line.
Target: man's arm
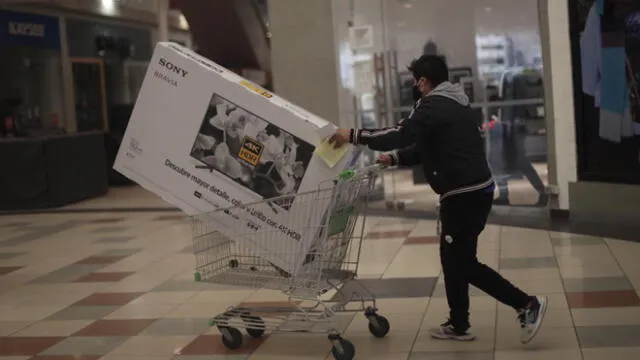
x,y
407,157
417,127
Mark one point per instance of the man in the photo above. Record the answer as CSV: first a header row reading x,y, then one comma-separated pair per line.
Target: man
x,y
442,134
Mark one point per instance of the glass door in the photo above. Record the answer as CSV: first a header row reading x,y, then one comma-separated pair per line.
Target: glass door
x,y
89,94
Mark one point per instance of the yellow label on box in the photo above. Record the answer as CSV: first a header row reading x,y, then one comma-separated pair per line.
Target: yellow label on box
x,y
256,88
250,151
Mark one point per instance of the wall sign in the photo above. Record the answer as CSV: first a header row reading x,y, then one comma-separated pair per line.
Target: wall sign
x,y
30,30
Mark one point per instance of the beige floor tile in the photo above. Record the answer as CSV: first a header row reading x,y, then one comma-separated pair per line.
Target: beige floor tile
x,y
590,271
221,296
129,357
484,342
197,310
627,353
403,306
30,313
606,316
9,327
525,354
479,319
541,286
548,338
295,346
477,303
530,274
141,311
164,297
398,322
53,328
153,345
396,342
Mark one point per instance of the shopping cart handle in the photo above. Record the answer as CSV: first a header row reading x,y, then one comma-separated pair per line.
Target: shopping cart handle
x,y
348,174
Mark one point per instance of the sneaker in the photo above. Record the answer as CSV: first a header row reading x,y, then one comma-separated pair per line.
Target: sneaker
x,y
530,318
446,331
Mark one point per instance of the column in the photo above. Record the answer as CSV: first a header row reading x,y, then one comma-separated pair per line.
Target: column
x,y
163,20
556,52
304,55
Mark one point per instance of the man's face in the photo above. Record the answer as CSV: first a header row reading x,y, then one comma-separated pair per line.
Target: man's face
x,y
423,85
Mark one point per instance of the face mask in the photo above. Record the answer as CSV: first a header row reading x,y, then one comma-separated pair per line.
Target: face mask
x,y
416,93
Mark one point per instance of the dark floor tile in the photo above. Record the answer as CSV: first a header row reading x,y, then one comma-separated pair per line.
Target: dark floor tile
x,y
129,327
68,274
16,224
388,234
108,299
26,346
390,288
83,312
100,260
104,277
4,270
422,240
212,345
603,299
608,336
576,240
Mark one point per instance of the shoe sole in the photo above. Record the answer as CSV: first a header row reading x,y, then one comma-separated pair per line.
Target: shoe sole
x,y
541,314
452,338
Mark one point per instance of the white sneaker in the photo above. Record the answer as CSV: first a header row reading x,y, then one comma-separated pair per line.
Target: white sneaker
x,y
531,317
446,331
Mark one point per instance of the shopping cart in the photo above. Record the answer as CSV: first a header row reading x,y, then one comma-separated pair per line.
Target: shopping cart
x,y
325,282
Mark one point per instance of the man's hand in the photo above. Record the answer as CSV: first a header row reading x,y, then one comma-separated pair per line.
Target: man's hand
x,y
386,160
340,138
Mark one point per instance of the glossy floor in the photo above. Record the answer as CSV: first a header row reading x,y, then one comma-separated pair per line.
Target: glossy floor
x,y
119,286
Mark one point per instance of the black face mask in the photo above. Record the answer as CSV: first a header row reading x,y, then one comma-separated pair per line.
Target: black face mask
x,y
417,95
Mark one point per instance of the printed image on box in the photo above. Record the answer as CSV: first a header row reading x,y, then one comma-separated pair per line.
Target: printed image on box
x,y
251,151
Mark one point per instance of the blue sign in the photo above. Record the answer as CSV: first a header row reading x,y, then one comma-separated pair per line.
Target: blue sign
x,y
30,30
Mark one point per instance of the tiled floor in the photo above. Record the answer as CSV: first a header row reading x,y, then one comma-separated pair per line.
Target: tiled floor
x,y
118,286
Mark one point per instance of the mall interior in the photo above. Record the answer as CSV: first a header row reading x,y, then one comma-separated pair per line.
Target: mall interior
x,y
94,266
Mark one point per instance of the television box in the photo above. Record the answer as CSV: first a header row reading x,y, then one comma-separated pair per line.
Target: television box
x,y
204,138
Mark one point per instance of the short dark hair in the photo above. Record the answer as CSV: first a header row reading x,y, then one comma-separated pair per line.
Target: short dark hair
x,y
431,67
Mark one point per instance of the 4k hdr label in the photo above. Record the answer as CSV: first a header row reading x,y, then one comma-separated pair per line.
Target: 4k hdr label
x,y
250,151
256,88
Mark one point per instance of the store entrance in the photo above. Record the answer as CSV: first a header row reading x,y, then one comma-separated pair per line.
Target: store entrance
x,y
493,51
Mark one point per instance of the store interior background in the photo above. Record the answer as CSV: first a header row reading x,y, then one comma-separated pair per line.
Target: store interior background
x,y
361,47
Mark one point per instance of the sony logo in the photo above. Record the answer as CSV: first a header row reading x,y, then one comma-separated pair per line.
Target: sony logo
x,y
172,67
26,29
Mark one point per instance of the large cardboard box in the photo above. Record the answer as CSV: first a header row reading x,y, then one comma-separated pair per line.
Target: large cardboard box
x,y
203,138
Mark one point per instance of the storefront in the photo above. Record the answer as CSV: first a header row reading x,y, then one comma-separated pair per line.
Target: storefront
x,y
31,95
108,64
605,39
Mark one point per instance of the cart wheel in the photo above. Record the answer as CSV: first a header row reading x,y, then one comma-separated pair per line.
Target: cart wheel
x,y
254,321
390,205
400,205
233,263
231,338
345,351
381,329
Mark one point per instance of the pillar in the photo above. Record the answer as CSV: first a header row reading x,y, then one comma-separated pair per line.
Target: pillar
x,y
559,107
163,20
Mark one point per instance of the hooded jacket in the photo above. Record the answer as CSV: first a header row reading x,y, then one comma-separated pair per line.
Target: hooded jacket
x,y
442,134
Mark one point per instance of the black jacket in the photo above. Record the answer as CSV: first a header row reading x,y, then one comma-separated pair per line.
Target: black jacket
x,y
442,133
